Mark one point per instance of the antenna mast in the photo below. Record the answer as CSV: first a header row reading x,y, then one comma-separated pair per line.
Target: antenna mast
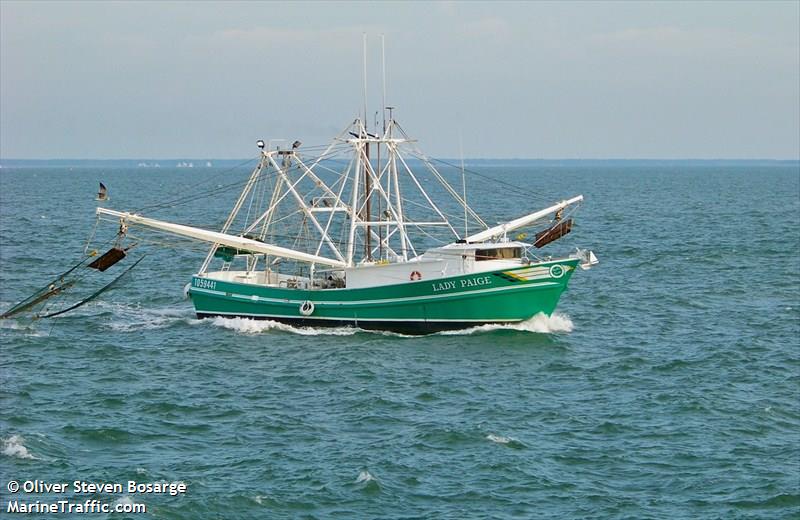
x,y
382,136
383,70
367,166
463,182
364,59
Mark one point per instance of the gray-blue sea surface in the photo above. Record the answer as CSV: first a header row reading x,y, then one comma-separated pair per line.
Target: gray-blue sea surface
x,y
667,385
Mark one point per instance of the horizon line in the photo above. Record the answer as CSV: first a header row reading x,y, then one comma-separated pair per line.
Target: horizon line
x,y
658,159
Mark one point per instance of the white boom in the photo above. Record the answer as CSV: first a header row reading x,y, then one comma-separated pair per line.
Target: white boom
x,y
214,237
502,229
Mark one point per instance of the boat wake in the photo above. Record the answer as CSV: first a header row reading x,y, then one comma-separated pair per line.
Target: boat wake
x,y
249,326
129,318
24,327
540,324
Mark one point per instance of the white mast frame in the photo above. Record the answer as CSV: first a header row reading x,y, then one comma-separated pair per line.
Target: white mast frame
x,y
358,171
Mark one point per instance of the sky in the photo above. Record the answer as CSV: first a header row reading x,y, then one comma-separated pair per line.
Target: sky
x,y
663,80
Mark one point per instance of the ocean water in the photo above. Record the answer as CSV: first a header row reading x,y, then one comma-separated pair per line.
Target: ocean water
x,y
667,385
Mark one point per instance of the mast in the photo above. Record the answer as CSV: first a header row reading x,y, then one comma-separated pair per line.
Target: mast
x,y
383,71
383,136
367,180
380,205
364,61
354,204
398,202
463,181
367,199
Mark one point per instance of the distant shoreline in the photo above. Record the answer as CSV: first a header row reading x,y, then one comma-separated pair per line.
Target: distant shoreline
x,y
203,164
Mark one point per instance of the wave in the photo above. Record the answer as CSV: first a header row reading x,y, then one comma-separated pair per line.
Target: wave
x,y
367,482
499,438
365,476
13,447
508,441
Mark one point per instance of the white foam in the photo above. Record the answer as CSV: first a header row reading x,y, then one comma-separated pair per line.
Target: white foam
x,y
12,324
500,439
540,323
248,326
365,476
135,317
13,447
259,499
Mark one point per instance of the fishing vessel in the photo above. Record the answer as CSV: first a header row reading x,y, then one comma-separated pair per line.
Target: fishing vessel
x,y
355,236
366,231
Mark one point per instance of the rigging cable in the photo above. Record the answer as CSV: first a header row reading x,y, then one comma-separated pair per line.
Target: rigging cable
x,y
219,189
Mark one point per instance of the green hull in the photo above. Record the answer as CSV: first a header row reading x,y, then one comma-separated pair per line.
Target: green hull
x,y
503,296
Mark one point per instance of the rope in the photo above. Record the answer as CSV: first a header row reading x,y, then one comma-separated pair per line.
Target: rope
x,y
224,188
164,203
48,302
517,191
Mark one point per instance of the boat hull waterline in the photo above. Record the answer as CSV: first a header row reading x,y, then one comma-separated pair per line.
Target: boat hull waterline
x,y
427,306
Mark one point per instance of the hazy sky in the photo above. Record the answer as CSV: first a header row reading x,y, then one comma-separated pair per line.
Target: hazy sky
x,y
528,80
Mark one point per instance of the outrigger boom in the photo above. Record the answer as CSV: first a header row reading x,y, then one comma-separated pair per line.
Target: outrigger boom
x,y
215,237
502,229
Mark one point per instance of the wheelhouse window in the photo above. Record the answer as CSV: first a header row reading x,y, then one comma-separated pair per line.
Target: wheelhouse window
x,y
499,253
